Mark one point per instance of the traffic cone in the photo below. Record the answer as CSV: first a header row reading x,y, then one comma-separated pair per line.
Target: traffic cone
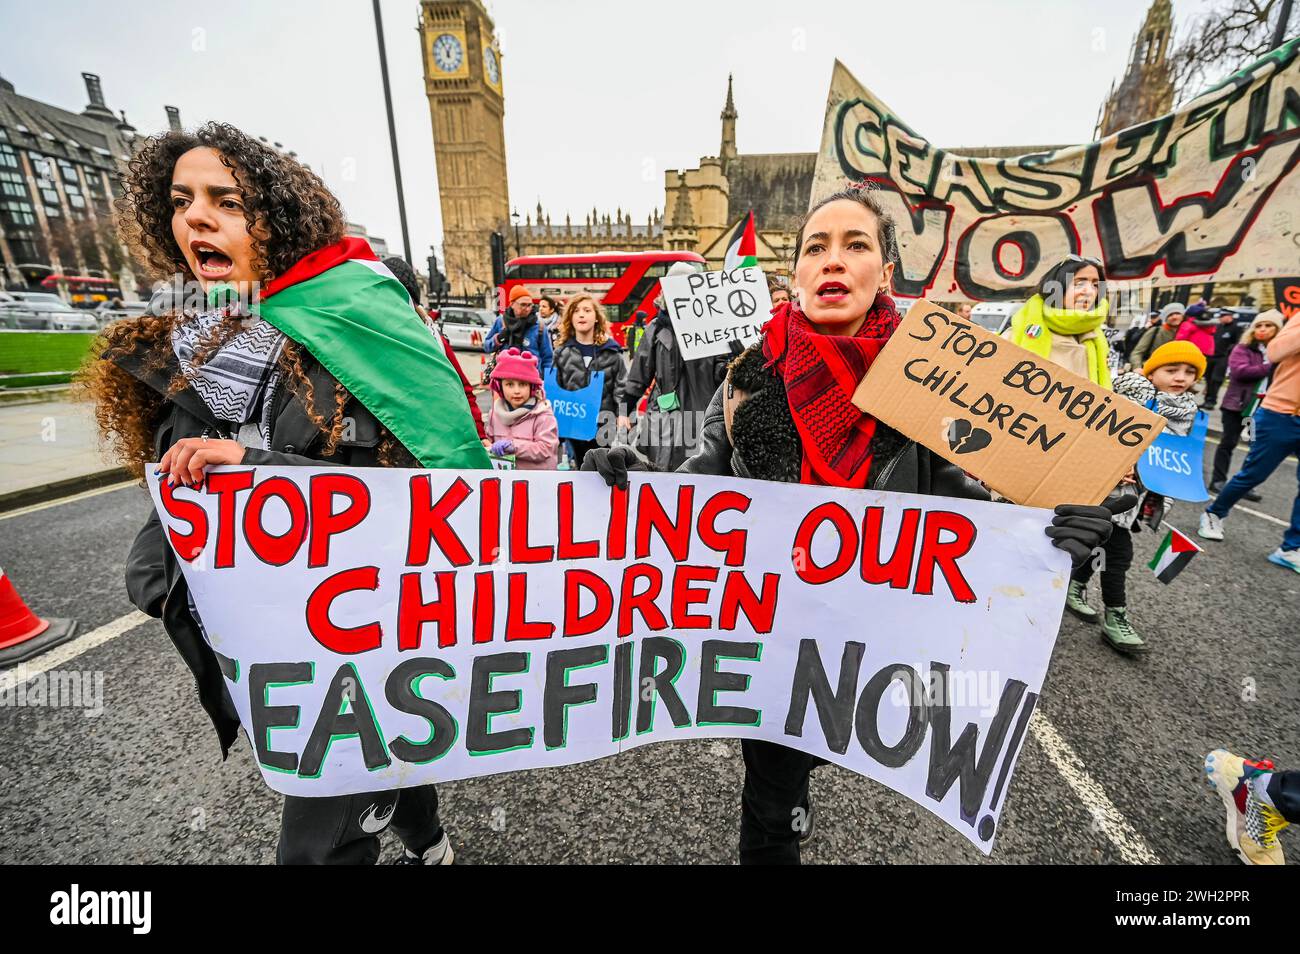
x,y
23,634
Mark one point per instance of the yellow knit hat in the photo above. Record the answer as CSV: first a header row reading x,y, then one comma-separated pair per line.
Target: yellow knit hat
x,y
1176,352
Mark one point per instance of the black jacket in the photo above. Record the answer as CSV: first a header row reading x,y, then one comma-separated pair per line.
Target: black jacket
x,y
659,360
764,444
154,580
572,374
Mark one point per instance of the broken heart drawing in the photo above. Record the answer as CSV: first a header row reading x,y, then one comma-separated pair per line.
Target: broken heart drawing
x,y
965,439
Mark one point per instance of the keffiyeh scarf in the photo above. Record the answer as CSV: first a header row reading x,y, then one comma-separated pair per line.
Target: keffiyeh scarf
x,y
820,373
237,381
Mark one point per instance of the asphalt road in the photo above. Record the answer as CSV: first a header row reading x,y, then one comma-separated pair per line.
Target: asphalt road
x,y
143,781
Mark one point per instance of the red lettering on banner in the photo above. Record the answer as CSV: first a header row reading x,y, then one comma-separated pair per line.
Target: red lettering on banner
x,y
945,555
616,541
838,517
650,514
739,597
225,484
429,522
685,595
484,609
643,603
341,639
570,549
413,612
732,543
897,571
576,623
520,551
325,523
489,521
187,545
269,548
517,624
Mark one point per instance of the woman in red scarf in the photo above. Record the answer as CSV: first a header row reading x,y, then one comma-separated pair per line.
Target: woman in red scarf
x,y
785,413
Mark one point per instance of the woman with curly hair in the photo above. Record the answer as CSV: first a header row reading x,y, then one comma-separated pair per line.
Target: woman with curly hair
x,y
585,347
317,371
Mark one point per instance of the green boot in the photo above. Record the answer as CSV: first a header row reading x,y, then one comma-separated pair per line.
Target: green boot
x,y
1119,633
1076,601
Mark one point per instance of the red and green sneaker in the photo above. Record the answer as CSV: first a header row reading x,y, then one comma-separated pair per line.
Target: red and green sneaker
x,y
1252,823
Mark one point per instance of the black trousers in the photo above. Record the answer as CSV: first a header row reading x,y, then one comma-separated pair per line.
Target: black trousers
x,y
1232,421
1118,557
1215,371
344,829
774,802
1284,790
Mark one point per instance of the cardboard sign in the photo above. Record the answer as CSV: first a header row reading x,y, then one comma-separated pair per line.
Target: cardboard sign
x,y
1036,433
380,628
576,412
709,310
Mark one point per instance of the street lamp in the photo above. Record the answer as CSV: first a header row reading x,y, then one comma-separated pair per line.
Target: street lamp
x,y
514,217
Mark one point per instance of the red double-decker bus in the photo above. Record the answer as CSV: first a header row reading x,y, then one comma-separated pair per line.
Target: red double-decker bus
x,y
623,282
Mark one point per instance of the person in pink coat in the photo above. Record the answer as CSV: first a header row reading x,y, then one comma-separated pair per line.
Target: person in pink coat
x,y
1198,328
522,423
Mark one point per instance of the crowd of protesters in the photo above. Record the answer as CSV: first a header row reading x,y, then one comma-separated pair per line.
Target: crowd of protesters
x,y
199,387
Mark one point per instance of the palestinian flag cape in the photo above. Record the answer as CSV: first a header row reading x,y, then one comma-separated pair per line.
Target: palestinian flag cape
x,y
1174,553
356,319
742,250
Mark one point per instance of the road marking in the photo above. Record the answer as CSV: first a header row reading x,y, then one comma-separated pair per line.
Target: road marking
x,y
63,500
1113,824
1262,516
61,655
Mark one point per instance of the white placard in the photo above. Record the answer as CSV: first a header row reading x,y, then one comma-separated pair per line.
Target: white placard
x,y
382,628
709,310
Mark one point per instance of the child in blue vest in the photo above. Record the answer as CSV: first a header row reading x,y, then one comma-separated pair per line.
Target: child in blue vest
x,y
1165,383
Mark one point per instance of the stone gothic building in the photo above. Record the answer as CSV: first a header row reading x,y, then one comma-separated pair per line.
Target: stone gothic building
x,y
1147,88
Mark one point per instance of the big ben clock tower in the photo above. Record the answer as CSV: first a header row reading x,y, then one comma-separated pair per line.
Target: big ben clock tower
x,y
462,76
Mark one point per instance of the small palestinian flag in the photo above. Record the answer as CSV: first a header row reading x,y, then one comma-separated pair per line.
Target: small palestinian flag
x,y
1175,552
742,250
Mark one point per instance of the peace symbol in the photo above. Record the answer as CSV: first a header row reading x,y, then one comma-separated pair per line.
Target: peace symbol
x,y
742,303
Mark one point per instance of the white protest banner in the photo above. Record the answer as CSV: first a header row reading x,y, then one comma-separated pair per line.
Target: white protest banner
x,y
709,310
383,628
1209,192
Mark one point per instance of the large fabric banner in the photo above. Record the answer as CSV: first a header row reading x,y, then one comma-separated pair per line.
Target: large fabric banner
x,y
1208,192
385,628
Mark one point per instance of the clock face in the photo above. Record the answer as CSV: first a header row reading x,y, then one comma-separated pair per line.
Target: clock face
x,y
447,53
493,68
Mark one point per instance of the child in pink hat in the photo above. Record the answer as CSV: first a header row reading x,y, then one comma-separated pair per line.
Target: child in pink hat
x,y
522,423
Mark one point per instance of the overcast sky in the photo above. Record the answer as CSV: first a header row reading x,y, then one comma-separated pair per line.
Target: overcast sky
x,y
601,95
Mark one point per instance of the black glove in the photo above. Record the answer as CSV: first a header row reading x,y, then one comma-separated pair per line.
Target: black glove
x,y
612,463
1079,530
737,349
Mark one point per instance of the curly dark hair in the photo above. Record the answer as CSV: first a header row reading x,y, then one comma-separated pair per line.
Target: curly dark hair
x,y
289,210
290,213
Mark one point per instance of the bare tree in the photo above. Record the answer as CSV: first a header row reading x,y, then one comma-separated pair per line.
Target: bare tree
x,y
1232,35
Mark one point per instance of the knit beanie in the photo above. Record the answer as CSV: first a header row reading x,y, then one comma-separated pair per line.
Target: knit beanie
x,y
516,365
1174,352
519,291
1270,317
1173,308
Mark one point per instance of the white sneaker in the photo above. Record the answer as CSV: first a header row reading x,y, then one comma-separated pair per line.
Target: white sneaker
x,y
1211,527
439,853
1286,558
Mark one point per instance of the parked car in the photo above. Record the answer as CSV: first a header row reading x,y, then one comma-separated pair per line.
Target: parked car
x,y
994,316
44,316
465,328
48,298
